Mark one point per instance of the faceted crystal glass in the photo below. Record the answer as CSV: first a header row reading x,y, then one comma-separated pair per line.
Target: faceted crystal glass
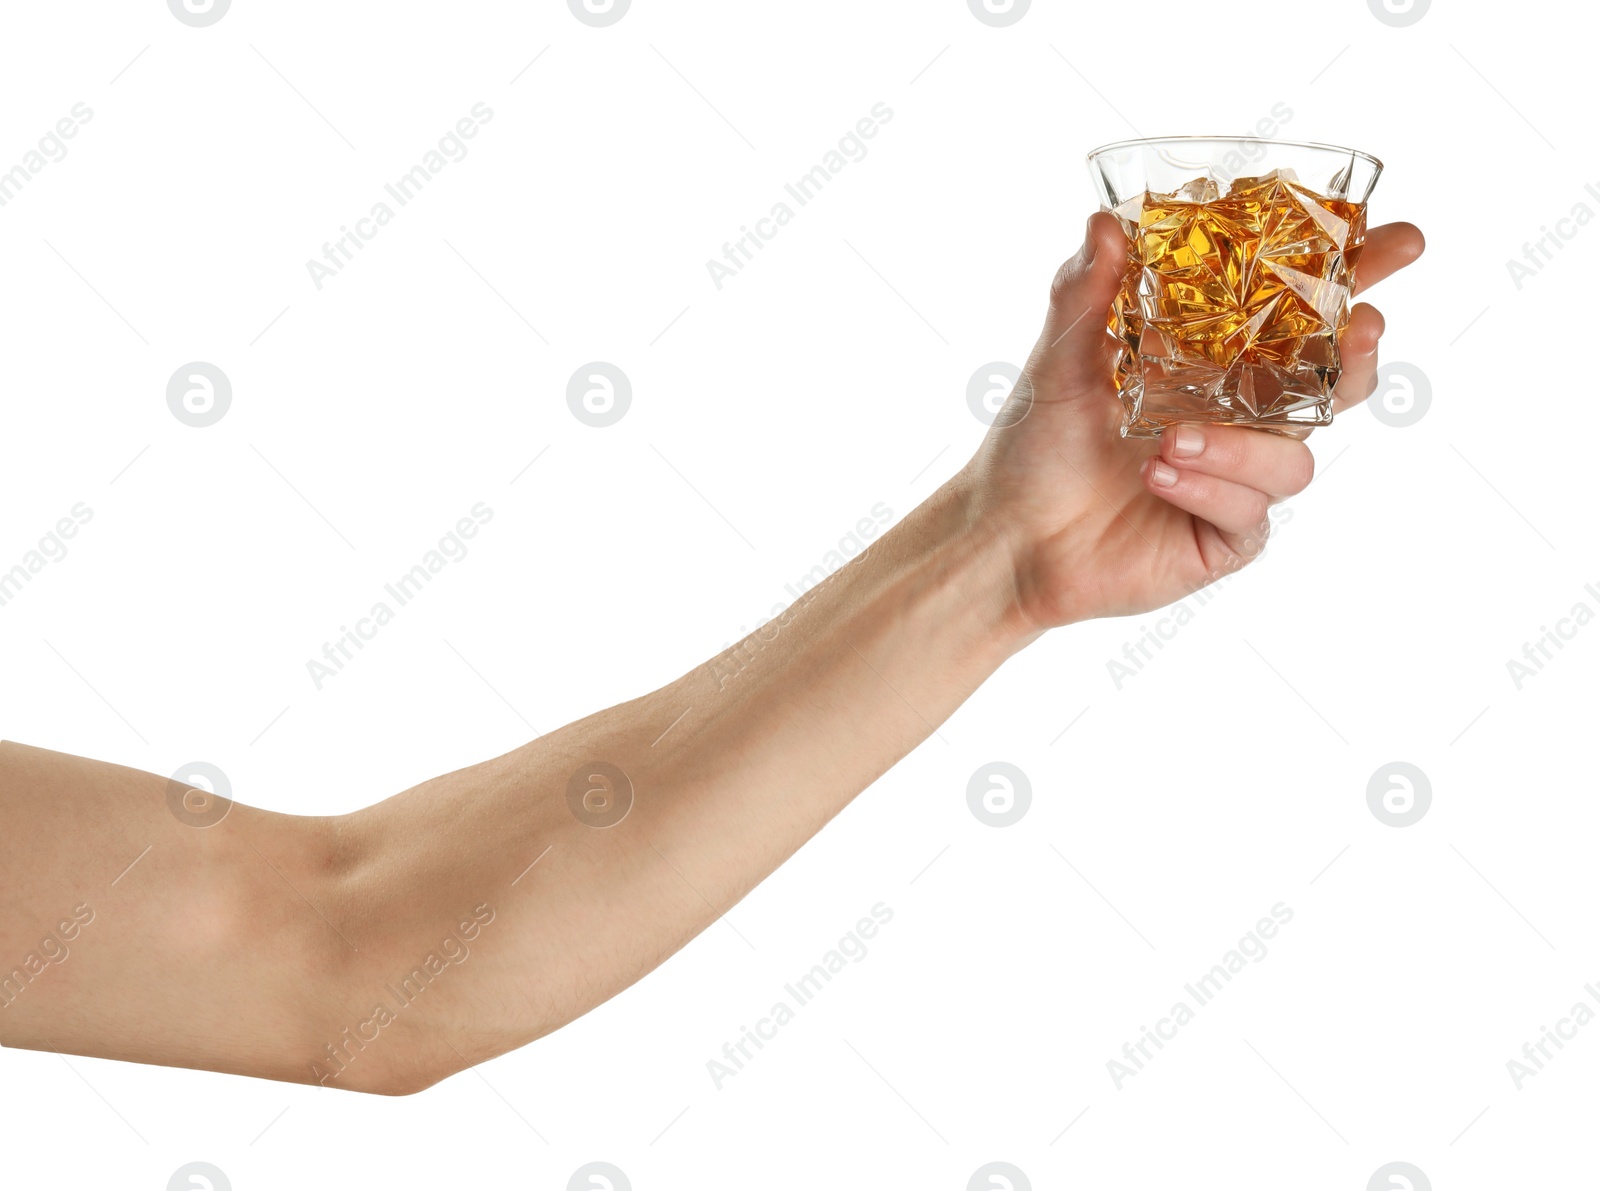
x,y
1241,255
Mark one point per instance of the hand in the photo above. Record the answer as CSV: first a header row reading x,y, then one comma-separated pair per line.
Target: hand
x,y
1101,525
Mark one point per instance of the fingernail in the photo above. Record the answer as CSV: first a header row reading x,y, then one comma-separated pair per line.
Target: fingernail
x,y
1161,475
1089,243
1187,442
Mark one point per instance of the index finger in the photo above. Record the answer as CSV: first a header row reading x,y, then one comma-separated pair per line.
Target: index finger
x,y
1388,249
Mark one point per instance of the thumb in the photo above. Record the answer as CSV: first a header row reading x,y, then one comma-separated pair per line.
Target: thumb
x,y
1074,344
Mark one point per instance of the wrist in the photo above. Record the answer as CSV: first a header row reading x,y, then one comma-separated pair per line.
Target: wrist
x,y
977,559
1047,548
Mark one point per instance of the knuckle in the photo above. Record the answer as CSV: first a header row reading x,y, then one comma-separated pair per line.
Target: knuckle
x,y
1301,470
1060,283
1257,512
1253,540
1066,276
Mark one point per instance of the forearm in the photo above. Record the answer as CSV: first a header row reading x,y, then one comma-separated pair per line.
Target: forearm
x,y
731,767
385,949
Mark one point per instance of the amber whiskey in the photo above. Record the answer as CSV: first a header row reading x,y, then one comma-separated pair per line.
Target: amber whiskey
x,y
1233,303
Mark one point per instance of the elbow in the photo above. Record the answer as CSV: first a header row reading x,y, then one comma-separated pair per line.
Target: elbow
x,y
384,1082
385,1021
391,1064
399,1059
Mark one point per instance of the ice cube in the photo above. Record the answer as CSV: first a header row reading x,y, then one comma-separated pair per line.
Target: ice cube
x,y
1197,190
1241,186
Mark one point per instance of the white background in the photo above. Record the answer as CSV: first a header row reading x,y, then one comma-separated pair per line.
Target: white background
x,y
1225,777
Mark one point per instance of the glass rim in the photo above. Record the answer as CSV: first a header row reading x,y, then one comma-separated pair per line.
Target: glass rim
x,y
1234,140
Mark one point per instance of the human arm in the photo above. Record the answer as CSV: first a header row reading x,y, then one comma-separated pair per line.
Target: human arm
x,y
266,944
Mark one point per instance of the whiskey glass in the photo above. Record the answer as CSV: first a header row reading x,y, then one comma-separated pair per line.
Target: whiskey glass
x,y
1241,262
